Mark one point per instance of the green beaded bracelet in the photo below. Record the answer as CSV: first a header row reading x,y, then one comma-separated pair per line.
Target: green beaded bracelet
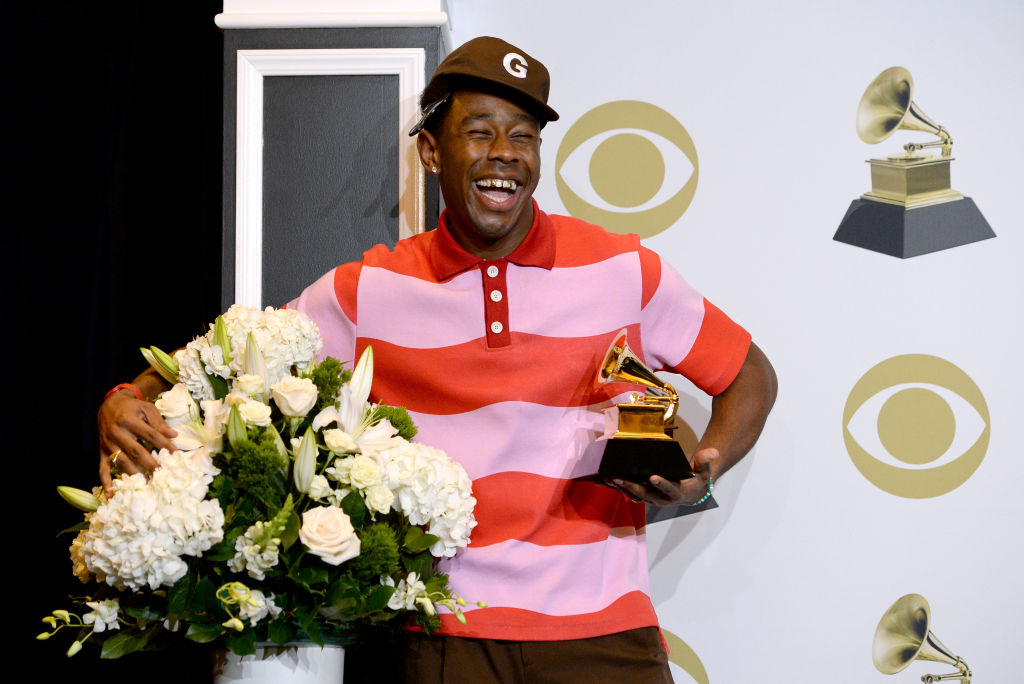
x,y
707,494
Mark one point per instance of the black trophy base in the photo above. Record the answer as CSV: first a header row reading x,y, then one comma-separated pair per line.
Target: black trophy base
x,y
901,232
635,460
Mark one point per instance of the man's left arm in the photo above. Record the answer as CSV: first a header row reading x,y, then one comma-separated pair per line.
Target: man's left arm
x,y
738,415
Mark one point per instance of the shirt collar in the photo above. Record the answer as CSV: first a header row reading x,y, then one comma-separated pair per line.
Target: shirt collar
x,y
447,257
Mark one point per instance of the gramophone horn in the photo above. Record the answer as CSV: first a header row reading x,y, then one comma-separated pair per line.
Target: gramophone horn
x,y
622,365
903,636
887,106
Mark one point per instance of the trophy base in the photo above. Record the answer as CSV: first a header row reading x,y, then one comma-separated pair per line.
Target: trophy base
x,y
635,460
908,232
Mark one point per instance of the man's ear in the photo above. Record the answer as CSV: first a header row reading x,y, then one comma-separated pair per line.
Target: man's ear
x,y
429,150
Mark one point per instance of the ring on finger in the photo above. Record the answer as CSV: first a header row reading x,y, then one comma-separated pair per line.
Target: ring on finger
x,y
113,457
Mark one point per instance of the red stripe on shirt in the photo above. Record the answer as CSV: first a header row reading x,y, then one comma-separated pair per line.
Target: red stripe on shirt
x,y
631,611
548,511
513,373
717,332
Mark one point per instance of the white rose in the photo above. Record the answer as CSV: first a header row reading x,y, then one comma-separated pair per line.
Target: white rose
x,y
365,472
319,488
328,533
254,413
339,441
379,498
294,396
250,384
176,404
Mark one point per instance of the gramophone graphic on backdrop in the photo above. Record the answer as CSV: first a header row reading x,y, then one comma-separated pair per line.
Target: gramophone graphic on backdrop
x,y
904,635
911,209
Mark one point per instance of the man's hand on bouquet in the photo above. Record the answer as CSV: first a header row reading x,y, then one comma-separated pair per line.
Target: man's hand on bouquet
x,y
663,492
128,429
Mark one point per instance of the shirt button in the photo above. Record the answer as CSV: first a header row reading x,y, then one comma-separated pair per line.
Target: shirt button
x,y
492,271
497,327
495,295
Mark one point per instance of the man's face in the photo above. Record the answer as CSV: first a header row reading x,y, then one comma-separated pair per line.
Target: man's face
x,y
487,151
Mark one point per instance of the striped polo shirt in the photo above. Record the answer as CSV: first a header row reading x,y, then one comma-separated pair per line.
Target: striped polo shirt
x,y
496,361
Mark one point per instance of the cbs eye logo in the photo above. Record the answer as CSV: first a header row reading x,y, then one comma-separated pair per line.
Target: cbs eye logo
x,y
685,658
916,426
632,166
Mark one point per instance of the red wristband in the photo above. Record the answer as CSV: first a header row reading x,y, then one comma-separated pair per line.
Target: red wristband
x,y
128,386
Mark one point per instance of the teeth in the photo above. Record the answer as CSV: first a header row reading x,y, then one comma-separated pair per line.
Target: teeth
x,y
497,183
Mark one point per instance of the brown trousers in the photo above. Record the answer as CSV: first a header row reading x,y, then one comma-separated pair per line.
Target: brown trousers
x,y
632,657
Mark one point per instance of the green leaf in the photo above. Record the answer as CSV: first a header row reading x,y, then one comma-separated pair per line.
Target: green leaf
x,y
421,564
145,613
291,531
355,508
127,641
378,598
203,603
242,643
280,632
204,632
416,540
75,528
308,577
178,595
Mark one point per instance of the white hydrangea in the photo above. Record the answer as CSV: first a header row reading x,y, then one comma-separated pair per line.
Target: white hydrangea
x,y
285,338
253,557
137,537
433,490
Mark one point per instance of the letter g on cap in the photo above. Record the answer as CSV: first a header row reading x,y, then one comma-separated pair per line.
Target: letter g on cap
x,y
515,64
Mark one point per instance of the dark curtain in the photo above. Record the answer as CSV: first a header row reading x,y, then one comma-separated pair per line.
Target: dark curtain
x,y
112,229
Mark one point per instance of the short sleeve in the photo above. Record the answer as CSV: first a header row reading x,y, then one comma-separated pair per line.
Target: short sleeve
x,y
331,303
684,333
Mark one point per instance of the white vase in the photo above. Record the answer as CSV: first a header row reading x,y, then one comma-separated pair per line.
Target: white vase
x,y
301,664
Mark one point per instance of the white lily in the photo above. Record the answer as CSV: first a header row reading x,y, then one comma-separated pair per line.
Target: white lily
x,y
305,462
254,362
79,498
162,363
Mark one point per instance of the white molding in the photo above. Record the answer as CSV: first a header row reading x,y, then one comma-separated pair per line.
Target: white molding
x,y
253,65
329,19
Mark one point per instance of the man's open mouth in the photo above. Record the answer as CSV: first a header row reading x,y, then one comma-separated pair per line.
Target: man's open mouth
x,y
497,190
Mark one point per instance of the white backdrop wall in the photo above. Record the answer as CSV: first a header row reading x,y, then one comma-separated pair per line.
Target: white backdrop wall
x,y
787,579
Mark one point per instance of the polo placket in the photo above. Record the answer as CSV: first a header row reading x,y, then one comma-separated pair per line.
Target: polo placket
x,y
495,303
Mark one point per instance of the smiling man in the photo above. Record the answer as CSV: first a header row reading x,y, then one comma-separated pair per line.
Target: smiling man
x,y
490,330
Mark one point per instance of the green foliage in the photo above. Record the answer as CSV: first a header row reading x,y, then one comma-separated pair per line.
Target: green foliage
x,y
398,417
329,376
378,552
257,469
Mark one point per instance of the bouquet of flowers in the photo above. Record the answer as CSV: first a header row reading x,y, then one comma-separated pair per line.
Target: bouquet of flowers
x,y
293,510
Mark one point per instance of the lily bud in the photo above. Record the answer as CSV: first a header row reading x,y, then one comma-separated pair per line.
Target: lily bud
x,y
305,461
362,377
236,427
427,605
79,498
278,442
162,363
221,339
254,363
44,636
75,648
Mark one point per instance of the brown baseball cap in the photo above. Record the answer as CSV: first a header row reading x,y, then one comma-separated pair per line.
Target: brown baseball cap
x,y
494,64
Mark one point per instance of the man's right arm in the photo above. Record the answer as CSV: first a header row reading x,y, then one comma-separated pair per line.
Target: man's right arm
x,y
125,422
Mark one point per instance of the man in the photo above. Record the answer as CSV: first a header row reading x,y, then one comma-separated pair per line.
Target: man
x,y
490,330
